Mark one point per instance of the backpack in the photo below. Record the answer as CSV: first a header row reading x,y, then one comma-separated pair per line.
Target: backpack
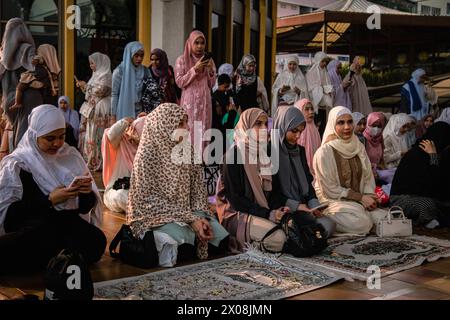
x,y
67,278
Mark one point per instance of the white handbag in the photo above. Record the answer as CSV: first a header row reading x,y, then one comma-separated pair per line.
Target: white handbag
x,y
391,226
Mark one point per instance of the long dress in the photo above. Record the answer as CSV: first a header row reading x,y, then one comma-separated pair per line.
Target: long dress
x,y
91,129
196,97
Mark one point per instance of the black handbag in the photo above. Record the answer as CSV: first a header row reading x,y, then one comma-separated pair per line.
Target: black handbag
x,y
67,278
136,252
303,240
122,183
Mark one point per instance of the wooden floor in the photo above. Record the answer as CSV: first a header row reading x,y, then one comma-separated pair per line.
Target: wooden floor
x,y
431,281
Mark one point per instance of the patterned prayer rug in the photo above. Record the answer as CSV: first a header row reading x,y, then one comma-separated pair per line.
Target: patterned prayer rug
x,y
249,276
352,256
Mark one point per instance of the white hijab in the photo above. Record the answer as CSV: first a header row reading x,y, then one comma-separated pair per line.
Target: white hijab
x,y
49,171
318,79
348,149
291,79
102,75
392,130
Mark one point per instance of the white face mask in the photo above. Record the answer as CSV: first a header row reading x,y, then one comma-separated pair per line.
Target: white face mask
x,y
374,131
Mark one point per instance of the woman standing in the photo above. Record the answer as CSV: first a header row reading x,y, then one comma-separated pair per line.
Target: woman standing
x,y
40,210
195,74
16,55
359,93
127,83
310,137
344,177
72,121
95,110
163,73
250,90
290,85
341,92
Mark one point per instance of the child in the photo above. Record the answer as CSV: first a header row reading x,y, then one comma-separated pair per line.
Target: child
x,y
360,122
33,79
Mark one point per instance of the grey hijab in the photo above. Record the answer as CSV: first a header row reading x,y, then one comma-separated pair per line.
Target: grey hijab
x,y
294,184
18,47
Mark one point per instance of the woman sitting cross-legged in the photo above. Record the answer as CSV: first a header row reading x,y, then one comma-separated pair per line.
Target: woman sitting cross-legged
x,y
344,177
244,198
294,179
40,212
421,183
119,147
167,194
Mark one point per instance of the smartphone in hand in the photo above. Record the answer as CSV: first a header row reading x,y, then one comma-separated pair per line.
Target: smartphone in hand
x,y
78,180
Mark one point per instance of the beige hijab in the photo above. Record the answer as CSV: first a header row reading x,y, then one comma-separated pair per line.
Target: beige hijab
x,y
48,53
348,149
162,191
257,165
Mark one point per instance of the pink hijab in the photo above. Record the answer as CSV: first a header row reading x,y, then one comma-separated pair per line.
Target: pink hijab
x,y
190,59
126,148
310,137
375,145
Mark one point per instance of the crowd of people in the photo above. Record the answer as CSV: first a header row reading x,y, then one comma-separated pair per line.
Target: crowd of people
x,y
330,147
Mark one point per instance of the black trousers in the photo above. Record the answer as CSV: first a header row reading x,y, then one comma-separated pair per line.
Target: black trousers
x,y
31,243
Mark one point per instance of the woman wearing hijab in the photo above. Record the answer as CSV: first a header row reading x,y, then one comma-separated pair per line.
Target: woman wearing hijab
x,y
167,193
341,95
310,137
414,100
72,121
293,179
360,122
250,89
374,138
50,56
445,116
119,147
245,199
320,87
394,137
421,185
290,85
41,211
344,177
163,73
127,83
96,110
196,77
359,94
423,125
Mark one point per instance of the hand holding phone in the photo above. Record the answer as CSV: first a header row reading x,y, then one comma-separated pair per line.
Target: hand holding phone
x,y
206,57
79,180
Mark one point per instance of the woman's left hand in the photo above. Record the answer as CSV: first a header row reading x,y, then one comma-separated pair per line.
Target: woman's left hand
x,y
428,146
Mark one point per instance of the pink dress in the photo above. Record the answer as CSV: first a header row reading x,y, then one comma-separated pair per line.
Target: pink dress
x,y
196,96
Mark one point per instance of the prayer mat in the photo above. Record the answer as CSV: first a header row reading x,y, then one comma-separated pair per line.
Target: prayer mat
x,y
354,257
248,276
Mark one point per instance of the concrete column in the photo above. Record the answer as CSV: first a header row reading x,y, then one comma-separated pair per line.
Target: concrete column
x,y
172,22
